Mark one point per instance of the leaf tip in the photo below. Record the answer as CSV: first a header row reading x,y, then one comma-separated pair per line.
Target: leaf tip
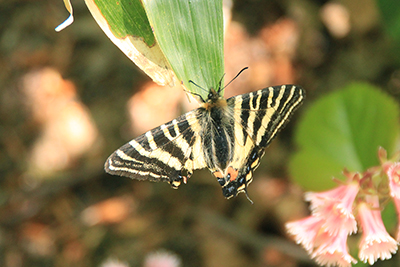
x,y
65,24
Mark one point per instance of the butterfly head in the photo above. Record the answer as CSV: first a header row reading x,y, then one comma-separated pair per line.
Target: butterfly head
x,y
214,95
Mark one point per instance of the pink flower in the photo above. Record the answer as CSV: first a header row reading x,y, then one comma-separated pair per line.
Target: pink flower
x,y
324,234
375,242
393,172
334,251
305,231
319,199
336,208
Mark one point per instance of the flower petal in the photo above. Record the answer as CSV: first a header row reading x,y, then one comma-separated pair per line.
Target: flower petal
x,y
334,252
335,207
375,242
393,173
305,231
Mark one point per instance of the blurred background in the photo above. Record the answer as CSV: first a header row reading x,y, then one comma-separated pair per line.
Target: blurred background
x,y
69,99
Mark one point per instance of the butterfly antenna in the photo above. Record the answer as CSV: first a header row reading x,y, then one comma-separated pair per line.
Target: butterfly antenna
x,y
233,78
195,94
219,84
192,82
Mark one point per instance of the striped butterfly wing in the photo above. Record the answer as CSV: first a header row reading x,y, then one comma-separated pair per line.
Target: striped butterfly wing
x,y
265,112
164,153
258,116
227,137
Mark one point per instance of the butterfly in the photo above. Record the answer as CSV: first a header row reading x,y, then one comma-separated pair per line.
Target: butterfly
x,y
227,136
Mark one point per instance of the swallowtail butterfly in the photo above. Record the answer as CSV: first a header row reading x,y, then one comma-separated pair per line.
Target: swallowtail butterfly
x,y
228,136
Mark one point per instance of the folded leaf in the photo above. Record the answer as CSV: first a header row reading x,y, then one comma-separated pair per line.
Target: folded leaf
x,y
126,24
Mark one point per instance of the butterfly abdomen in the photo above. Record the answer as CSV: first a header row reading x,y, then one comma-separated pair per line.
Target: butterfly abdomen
x,y
217,135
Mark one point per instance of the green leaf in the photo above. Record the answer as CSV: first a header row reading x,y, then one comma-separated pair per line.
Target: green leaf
x,y
127,18
126,24
389,217
390,10
360,264
390,14
343,130
190,33
188,43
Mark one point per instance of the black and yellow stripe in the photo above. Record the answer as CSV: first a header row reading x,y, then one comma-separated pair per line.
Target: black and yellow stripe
x,y
226,136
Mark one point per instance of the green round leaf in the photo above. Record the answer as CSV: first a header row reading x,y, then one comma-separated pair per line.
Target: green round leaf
x,y
343,130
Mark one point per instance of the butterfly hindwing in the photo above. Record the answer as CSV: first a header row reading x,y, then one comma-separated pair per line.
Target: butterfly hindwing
x,y
161,154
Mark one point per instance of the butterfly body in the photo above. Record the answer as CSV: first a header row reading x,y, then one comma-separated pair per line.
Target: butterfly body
x,y
228,136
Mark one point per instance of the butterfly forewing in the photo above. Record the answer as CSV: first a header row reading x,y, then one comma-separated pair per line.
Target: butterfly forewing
x,y
263,113
162,154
